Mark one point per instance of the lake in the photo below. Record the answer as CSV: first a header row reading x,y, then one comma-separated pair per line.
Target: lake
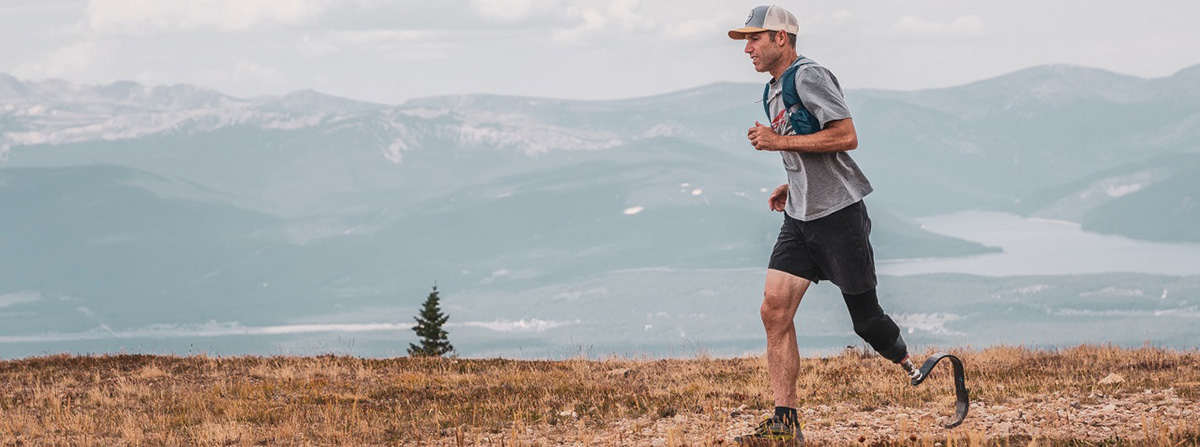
x,y
1045,247
1054,285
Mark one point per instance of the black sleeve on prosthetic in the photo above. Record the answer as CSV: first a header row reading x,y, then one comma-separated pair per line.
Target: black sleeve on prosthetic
x,y
874,326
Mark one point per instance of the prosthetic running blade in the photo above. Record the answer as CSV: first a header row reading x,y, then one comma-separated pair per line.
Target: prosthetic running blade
x,y
962,398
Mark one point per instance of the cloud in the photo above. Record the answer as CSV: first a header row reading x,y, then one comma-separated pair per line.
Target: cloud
x,y
74,58
913,26
592,20
626,13
310,47
403,45
503,10
155,16
704,28
619,15
243,72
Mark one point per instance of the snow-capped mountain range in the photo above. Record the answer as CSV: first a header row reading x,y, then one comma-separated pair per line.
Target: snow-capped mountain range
x,y
55,112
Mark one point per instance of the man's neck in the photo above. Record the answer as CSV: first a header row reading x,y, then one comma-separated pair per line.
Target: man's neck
x,y
782,66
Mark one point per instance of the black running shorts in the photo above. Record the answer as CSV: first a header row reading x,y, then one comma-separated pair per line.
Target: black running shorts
x,y
836,247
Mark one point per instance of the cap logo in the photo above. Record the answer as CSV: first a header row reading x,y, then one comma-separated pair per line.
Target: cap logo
x,y
750,17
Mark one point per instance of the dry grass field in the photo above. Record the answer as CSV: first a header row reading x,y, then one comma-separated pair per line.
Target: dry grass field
x,y
1078,396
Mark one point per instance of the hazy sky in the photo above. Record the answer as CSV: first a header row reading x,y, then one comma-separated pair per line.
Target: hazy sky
x,y
390,51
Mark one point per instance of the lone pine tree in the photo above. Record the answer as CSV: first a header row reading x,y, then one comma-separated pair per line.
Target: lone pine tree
x,y
435,342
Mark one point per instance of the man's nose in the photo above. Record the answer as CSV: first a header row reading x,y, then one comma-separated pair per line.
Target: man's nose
x,y
748,47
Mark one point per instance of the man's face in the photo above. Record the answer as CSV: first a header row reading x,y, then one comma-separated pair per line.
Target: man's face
x,y
763,52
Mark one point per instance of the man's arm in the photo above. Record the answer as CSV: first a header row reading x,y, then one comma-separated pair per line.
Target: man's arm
x,y
837,136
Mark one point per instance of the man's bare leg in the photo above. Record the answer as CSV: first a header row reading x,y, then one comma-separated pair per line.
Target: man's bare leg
x,y
781,299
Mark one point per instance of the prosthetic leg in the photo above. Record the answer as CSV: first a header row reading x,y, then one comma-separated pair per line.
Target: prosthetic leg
x,y
879,331
875,327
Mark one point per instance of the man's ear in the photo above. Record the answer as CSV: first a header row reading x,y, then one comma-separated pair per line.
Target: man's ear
x,y
782,38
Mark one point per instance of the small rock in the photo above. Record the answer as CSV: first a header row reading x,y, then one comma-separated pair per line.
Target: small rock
x,y
737,412
621,372
1112,379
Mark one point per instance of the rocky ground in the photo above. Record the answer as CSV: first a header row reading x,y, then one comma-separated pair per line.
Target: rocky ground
x,y
1148,417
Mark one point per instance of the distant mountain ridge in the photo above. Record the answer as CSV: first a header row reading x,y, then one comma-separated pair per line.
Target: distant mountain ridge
x,y
26,104
997,141
57,112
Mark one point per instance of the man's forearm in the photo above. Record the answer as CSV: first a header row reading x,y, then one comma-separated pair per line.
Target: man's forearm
x,y
818,143
837,136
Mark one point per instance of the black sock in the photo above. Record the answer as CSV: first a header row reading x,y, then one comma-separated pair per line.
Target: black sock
x,y
787,415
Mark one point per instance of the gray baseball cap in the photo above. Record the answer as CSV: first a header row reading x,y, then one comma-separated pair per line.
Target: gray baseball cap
x,y
767,18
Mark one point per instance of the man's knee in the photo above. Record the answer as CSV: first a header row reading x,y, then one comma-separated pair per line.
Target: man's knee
x,y
776,312
772,311
781,297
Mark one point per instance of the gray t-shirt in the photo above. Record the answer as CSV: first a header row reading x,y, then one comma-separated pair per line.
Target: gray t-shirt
x,y
819,184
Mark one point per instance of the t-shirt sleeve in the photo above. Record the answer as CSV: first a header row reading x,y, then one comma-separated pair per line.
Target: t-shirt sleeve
x,y
821,94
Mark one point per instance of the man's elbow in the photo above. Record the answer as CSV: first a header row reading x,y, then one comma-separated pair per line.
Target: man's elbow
x,y
850,143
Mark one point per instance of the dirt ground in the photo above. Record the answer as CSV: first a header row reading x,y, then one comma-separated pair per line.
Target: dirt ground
x,y
1147,417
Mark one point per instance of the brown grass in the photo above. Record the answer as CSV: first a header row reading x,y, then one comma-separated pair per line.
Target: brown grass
x,y
1021,397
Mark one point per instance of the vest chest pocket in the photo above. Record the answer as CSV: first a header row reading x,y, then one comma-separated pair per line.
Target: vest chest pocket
x,y
803,122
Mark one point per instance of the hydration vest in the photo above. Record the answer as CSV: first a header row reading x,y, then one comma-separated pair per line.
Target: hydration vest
x,y
803,121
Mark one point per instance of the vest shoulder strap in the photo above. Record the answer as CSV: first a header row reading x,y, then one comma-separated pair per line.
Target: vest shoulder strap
x,y
790,96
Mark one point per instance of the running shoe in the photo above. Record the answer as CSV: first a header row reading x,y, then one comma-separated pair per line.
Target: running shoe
x,y
773,432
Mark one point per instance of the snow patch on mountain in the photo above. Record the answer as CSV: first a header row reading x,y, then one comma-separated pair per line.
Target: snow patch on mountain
x,y
1114,187
1122,190
934,323
286,122
424,112
392,152
664,130
530,136
12,299
402,140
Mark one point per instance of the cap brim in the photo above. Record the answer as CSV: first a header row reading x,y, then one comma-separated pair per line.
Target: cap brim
x,y
740,33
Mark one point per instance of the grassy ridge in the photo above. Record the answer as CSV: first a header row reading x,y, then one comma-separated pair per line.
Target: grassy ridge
x,y
852,398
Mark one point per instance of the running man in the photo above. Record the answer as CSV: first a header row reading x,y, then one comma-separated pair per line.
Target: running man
x,y
825,229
